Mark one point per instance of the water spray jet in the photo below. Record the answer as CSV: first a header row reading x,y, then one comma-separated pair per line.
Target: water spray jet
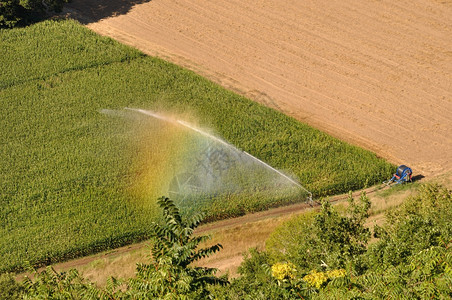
x,y
222,142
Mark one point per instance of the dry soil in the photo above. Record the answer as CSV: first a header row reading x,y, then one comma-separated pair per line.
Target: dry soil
x,y
374,73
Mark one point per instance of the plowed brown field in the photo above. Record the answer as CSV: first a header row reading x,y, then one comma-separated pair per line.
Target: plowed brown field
x,y
377,74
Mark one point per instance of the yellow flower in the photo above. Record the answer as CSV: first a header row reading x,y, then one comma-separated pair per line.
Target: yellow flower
x,y
315,279
283,271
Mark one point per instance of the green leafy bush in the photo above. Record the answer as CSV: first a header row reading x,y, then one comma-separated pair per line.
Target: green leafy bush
x,y
9,287
22,12
421,222
325,239
174,248
168,276
412,259
255,281
292,239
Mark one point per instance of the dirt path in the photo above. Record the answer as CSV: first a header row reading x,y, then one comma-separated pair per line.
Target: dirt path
x,y
374,73
236,235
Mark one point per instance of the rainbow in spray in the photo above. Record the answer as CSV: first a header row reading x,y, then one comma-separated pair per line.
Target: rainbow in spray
x,y
198,169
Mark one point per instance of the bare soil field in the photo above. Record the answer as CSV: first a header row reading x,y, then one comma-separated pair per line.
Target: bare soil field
x,y
374,73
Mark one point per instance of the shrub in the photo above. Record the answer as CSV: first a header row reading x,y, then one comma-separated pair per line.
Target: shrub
x,y
325,239
170,275
22,12
421,222
9,287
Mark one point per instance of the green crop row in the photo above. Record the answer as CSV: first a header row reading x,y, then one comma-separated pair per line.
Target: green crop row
x,y
54,47
66,169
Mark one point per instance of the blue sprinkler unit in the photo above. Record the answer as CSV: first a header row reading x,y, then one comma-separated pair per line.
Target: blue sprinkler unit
x,y
403,174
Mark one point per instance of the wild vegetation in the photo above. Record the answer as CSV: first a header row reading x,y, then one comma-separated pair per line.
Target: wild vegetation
x,y
168,276
327,254
66,170
328,258
22,12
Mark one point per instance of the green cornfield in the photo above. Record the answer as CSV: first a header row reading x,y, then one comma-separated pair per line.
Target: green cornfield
x,y
66,170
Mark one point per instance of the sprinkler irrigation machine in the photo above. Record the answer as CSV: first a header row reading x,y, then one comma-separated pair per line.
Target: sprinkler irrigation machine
x,y
403,174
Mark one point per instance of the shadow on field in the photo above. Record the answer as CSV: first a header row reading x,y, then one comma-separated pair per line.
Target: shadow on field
x,y
88,11
417,177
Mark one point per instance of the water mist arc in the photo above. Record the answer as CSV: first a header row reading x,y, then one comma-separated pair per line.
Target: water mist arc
x,y
218,140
